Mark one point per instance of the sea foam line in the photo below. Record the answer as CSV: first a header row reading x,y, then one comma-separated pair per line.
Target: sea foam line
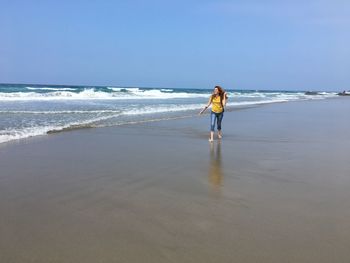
x,y
90,94
60,112
16,134
137,94
44,88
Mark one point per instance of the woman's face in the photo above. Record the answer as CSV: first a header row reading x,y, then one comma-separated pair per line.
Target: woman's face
x,y
216,91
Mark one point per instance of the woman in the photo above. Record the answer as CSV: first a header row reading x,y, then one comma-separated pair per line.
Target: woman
x,y
218,99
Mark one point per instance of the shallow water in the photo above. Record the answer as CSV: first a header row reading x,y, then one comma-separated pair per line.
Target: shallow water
x,y
30,110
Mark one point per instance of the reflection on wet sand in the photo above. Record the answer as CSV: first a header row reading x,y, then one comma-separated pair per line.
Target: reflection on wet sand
x,y
215,174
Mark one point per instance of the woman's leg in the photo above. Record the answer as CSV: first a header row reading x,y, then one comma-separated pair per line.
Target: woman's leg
x,y
212,126
219,120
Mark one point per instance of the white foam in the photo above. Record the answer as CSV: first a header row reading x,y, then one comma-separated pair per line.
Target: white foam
x,y
162,109
16,134
91,94
45,88
115,89
158,94
252,103
248,95
118,93
61,112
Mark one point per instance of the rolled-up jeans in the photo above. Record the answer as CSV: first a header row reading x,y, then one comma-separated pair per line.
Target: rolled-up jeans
x,y
216,117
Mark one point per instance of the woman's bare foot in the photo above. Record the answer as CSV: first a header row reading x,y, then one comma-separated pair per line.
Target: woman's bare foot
x,y
211,137
219,135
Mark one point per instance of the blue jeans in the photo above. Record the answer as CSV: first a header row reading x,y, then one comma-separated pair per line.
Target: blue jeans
x,y
218,117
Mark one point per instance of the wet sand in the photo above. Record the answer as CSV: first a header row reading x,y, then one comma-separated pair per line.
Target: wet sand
x,y
275,189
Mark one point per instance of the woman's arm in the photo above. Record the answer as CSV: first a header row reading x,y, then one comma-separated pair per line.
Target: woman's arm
x,y
206,107
224,99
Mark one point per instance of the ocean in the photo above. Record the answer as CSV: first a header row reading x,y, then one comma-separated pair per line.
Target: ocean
x,y
32,110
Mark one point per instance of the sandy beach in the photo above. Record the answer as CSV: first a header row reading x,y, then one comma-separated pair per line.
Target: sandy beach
x,y
275,189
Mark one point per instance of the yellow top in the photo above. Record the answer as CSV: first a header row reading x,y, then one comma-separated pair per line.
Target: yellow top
x,y
217,107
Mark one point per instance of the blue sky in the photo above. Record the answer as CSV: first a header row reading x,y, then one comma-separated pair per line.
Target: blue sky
x,y
292,45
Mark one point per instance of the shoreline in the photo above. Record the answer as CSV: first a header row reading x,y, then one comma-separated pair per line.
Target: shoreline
x,y
273,190
34,111
189,114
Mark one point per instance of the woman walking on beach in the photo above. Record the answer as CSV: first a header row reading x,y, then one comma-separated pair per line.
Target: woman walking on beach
x,y
218,99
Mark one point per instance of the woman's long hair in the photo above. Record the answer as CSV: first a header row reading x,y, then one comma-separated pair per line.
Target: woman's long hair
x,y
221,93
221,90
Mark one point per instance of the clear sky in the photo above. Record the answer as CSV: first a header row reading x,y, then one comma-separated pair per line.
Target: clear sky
x,y
243,44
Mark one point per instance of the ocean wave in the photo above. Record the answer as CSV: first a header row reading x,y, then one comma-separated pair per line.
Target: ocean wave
x,y
21,133
254,103
59,112
16,134
45,88
120,93
115,89
162,109
91,94
101,117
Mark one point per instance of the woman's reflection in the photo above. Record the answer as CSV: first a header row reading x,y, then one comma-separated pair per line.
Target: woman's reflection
x,y
215,175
